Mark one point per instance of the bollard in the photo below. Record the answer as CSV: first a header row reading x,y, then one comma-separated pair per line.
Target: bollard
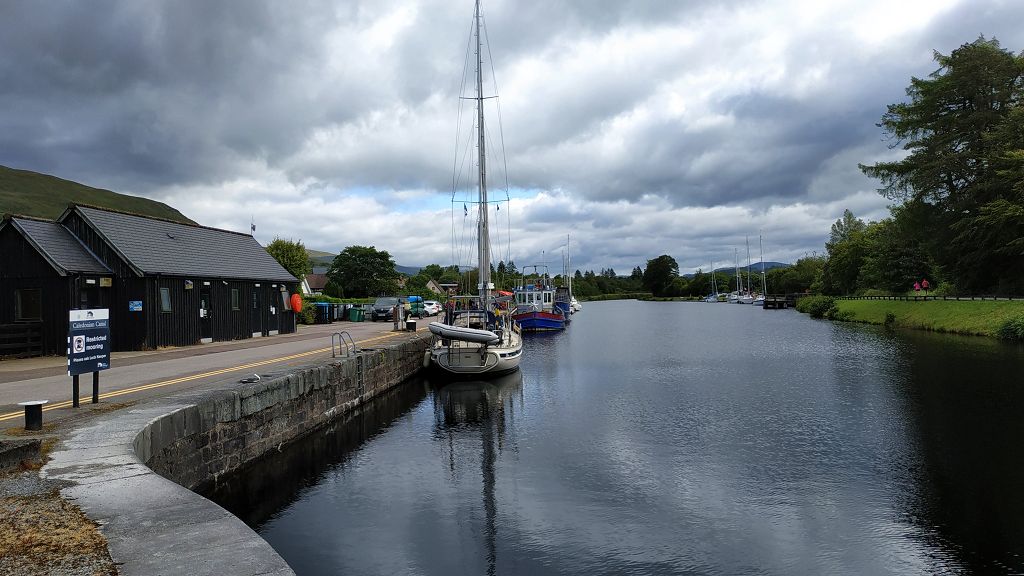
x,y
33,414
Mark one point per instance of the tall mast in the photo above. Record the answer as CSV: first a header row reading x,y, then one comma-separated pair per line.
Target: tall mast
x,y
764,285
736,261
568,264
749,283
483,232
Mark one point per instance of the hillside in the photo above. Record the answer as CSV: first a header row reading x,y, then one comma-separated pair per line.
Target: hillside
x,y
44,196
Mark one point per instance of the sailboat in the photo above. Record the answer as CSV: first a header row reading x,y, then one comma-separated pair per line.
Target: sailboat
x,y
574,304
479,336
713,296
748,296
759,300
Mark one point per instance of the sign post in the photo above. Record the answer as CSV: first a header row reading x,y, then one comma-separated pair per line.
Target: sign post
x,y
88,348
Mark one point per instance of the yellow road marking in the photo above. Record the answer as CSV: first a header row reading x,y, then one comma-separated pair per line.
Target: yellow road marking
x,y
142,387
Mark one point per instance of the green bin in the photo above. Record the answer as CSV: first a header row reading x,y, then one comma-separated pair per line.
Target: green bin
x,y
355,314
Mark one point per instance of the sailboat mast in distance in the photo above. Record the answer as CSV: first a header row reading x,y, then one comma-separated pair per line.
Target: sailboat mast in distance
x,y
764,285
749,283
483,233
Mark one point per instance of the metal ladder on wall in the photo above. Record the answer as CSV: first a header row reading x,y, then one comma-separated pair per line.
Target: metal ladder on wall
x,y
345,344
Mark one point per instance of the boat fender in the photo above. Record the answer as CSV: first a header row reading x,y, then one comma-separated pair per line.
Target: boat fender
x,y
426,358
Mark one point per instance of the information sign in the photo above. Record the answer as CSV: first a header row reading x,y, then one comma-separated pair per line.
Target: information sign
x,y
88,341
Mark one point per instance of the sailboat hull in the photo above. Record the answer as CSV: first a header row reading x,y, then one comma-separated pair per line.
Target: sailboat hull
x,y
472,359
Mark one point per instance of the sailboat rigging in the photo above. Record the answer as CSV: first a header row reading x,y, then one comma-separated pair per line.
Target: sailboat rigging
x,y
479,335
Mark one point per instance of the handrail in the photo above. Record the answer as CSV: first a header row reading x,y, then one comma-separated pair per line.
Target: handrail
x,y
344,338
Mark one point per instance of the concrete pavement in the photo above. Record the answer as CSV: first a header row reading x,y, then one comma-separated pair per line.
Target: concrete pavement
x,y
152,525
141,376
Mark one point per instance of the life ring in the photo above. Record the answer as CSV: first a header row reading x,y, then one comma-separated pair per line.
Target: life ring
x,y
296,303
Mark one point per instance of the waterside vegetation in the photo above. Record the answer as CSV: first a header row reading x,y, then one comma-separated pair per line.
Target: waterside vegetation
x,y
1002,319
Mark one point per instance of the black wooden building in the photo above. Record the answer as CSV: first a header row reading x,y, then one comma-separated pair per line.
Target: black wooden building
x,y
165,283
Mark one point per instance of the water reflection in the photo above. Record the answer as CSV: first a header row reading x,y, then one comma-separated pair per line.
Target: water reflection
x,y
484,409
281,478
659,438
968,395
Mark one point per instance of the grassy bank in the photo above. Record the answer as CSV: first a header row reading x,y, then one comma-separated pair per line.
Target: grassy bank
x,y
982,318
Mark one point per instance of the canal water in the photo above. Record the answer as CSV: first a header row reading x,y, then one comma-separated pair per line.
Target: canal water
x,y
671,438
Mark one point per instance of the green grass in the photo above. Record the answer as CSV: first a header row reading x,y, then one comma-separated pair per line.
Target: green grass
x,y
43,196
982,318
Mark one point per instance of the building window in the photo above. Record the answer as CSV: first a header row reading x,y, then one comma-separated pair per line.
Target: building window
x,y
165,299
235,302
28,305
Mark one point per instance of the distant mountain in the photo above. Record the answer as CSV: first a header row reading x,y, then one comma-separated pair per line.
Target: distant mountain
x,y
43,196
755,268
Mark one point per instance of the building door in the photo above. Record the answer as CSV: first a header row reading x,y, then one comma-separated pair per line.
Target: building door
x,y
256,312
273,307
205,315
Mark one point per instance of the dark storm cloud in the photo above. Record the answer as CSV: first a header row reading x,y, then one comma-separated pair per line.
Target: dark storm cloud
x,y
638,119
148,93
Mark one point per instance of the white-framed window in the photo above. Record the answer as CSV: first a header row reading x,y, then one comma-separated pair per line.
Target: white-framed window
x,y
165,299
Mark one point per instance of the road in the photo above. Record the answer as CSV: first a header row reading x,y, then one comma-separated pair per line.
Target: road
x,y
138,376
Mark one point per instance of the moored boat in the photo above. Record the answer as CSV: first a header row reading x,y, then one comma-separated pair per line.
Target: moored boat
x,y
539,305
479,337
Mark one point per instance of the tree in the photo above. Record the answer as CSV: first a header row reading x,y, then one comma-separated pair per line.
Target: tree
x,y
846,249
893,259
637,273
945,123
292,256
362,271
799,277
845,227
661,272
842,268
960,127
433,271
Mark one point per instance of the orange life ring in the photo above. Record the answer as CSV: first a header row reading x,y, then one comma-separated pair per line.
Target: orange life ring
x,y
296,303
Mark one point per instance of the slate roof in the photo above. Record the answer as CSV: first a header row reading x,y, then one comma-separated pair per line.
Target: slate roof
x,y
316,281
155,246
64,252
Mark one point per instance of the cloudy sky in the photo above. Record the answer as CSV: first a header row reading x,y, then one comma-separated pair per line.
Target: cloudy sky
x,y
638,128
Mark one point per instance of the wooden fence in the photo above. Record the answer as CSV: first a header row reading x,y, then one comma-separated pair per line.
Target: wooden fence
x,y
20,340
923,298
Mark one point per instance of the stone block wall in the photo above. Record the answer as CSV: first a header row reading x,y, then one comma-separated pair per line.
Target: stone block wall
x,y
226,429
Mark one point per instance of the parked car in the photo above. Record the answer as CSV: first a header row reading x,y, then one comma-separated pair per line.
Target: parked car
x,y
431,307
383,308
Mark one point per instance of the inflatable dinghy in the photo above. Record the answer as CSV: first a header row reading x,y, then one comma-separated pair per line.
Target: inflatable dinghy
x,y
463,334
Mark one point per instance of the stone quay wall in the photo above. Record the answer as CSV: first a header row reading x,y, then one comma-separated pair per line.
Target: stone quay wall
x,y
227,429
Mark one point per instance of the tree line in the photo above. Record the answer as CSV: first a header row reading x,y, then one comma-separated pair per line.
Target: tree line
x,y
958,193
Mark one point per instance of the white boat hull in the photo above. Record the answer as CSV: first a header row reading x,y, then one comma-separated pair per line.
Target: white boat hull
x,y
475,359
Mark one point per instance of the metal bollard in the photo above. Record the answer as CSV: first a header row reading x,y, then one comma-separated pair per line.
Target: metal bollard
x,y
33,414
